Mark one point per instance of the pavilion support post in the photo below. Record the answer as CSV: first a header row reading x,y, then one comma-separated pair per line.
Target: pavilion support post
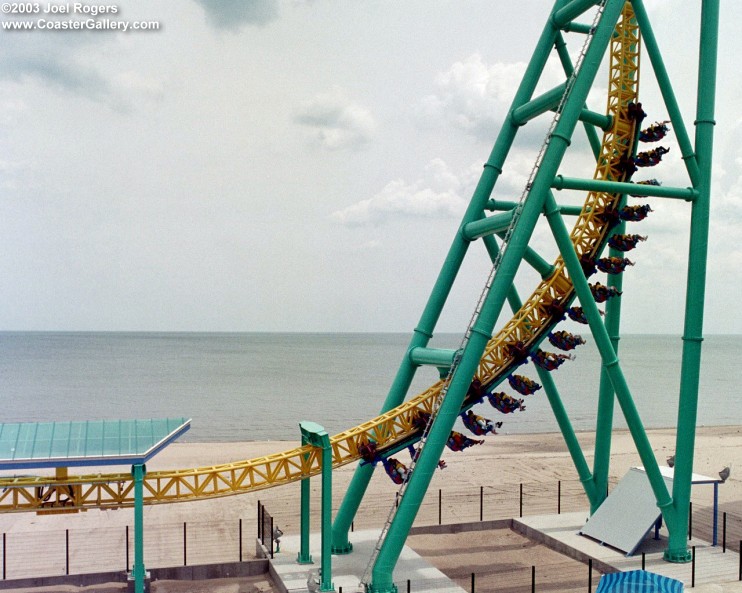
x,y
138,571
304,556
316,436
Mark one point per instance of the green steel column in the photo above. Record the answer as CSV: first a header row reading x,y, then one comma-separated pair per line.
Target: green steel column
x,y
382,575
138,570
606,395
568,67
677,550
663,80
568,432
429,318
304,556
610,360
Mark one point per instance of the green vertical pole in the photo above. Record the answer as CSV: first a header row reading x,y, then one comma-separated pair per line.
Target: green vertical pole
x,y
663,80
304,556
677,550
382,581
567,430
606,395
138,570
442,288
326,563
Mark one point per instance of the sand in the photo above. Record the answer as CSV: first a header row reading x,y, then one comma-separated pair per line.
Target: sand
x,y
495,469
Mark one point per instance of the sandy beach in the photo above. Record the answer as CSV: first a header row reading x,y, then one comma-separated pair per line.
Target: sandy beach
x,y
495,470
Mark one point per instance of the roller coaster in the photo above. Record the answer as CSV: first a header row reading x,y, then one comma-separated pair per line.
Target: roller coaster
x,y
484,360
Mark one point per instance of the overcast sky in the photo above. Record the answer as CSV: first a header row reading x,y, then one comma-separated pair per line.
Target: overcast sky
x,y
288,165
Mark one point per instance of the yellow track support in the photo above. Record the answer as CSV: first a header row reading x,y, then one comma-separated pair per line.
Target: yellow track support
x,y
527,327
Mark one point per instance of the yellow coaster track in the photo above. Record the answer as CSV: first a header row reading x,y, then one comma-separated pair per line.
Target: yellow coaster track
x,y
527,327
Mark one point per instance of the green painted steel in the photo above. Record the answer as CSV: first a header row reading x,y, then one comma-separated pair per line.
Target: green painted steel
x,y
599,120
392,545
442,288
316,436
618,187
440,357
495,205
540,105
304,556
138,570
610,362
561,48
571,11
677,550
486,226
663,80
540,200
606,394
533,259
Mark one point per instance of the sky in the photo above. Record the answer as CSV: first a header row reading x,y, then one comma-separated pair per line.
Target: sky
x,y
303,165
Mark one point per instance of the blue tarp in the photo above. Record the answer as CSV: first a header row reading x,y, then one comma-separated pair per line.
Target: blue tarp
x,y
638,581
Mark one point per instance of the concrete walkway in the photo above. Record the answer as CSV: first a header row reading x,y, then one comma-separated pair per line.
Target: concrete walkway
x,y
347,570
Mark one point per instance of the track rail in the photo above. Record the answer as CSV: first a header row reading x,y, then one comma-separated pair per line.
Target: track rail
x,y
528,327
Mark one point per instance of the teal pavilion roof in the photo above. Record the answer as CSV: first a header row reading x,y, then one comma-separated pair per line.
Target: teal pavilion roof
x,y
86,443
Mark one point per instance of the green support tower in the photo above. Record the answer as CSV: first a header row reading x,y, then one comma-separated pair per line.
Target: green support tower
x,y
620,30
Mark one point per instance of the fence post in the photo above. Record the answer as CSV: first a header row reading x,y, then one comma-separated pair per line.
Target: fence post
x,y
740,560
127,548
440,506
240,536
352,526
185,556
271,537
559,497
409,585
473,585
644,561
67,552
259,532
693,568
589,575
533,579
481,503
724,533
262,524
690,520
521,503
4,573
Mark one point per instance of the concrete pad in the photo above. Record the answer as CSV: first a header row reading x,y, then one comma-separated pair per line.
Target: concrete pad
x,y
561,532
348,569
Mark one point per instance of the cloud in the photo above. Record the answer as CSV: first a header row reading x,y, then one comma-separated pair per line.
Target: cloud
x,y
473,96
65,65
232,15
437,195
334,122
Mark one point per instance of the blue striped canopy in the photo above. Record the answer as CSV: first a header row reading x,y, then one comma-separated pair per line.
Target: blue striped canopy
x,y
638,581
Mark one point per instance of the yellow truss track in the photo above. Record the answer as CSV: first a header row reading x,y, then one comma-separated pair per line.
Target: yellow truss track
x,y
528,326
